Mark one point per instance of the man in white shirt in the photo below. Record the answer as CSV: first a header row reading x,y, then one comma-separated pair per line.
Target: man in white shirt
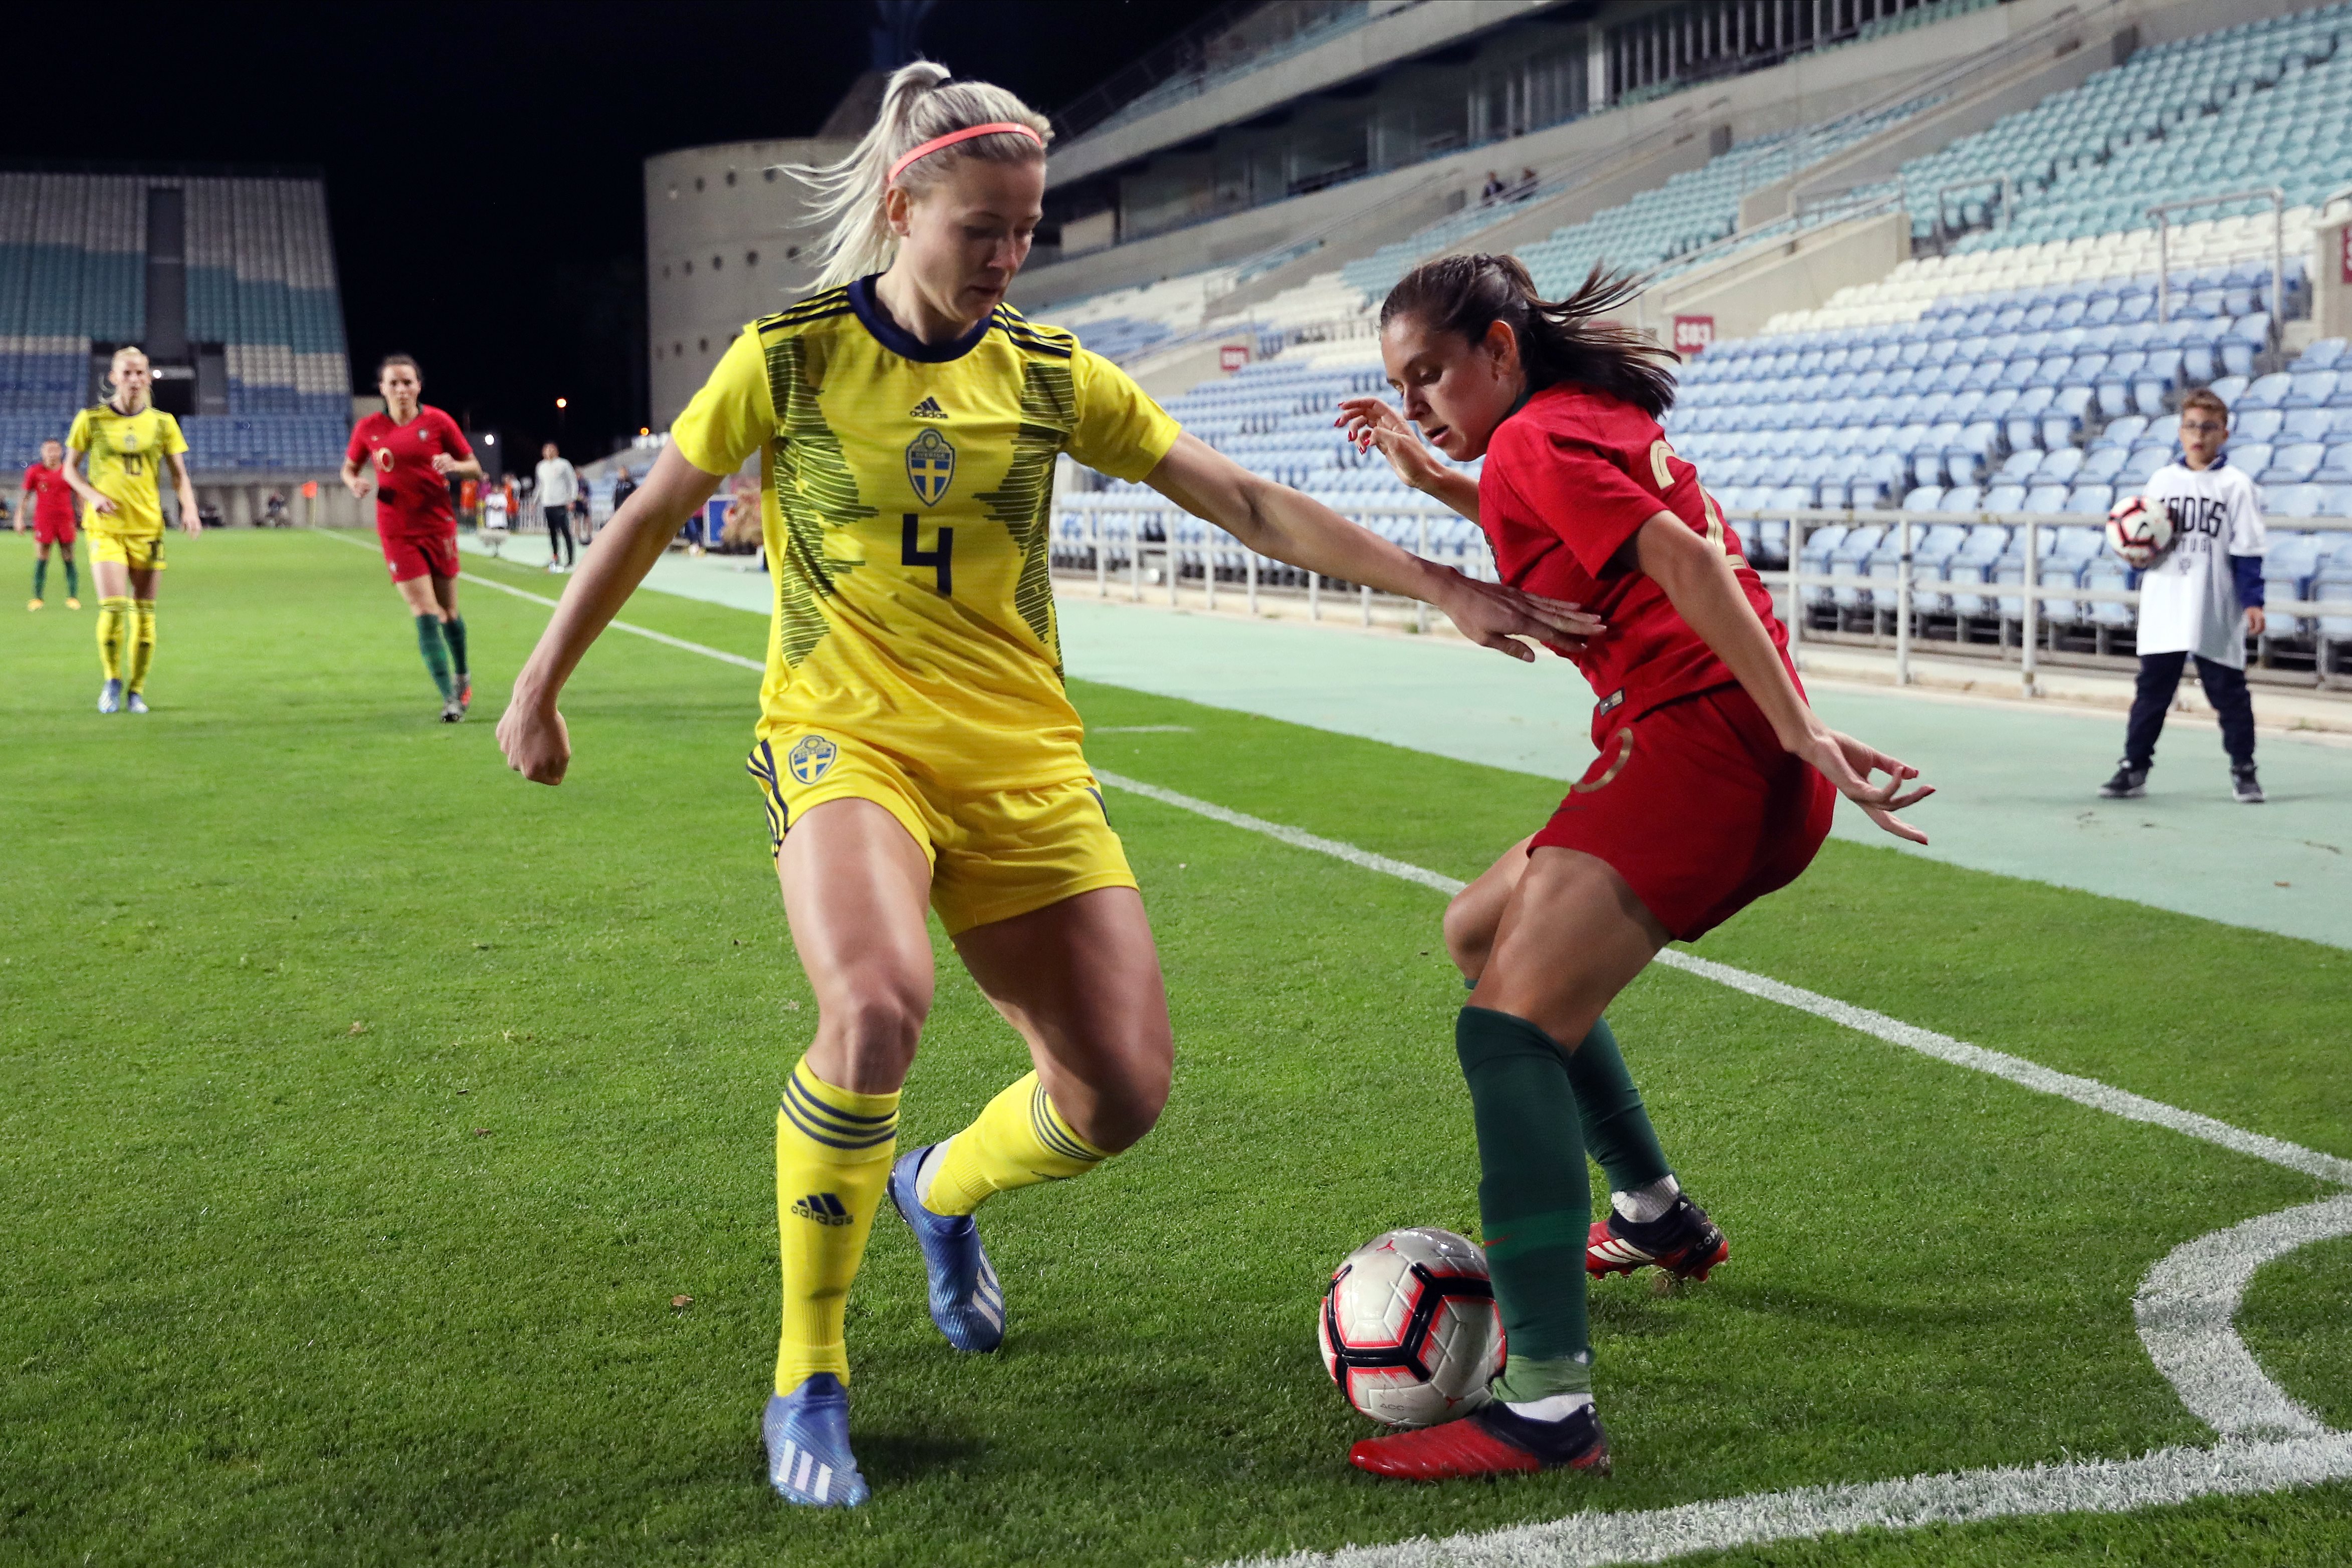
x,y
557,486
2200,600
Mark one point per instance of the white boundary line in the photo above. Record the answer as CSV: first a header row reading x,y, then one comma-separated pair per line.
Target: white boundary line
x,y
1968,1497
2184,1311
2184,1308
647,632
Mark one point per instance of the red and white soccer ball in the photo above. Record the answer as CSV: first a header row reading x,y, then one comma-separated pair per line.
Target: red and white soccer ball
x,y
2140,531
1409,1329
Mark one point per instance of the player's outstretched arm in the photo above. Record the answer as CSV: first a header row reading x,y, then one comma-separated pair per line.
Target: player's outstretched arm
x,y
1697,580
531,731
1275,520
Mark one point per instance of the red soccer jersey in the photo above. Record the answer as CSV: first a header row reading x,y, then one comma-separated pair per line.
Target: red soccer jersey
x,y
1569,479
410,498
53,498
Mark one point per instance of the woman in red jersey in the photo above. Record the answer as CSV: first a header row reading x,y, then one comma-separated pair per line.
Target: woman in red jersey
x,y
1713,787
414,450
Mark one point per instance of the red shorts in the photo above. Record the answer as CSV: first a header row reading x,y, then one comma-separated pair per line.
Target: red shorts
x,y
50,532
1697,806
413,556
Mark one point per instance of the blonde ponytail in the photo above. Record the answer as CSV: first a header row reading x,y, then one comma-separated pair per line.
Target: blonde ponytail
x,y
920,103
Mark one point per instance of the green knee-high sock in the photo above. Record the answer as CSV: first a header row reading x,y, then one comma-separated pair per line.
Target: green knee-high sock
x,y
1535,1201
73,578
454,631
40,575
436,652
1616,1126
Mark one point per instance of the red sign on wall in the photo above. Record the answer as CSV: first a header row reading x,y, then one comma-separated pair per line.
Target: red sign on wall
x,y
1692,334
1232,357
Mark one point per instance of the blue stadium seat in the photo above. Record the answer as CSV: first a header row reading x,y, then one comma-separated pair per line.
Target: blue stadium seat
x,y
2257,425
2294,464
2267,392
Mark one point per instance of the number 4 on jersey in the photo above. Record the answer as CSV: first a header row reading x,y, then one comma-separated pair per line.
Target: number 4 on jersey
x,y
941,560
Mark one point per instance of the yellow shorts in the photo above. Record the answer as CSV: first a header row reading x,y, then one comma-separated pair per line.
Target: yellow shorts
x,y
140,552
994,853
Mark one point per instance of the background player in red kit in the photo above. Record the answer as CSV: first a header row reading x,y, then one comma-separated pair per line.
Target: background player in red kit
x,y
413,451
1713,786
48,507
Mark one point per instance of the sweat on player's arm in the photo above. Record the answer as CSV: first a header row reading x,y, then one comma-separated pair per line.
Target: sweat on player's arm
x,y
531,732
1275,520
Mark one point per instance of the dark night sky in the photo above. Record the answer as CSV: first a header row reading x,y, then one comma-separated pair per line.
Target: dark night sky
x,y
484,162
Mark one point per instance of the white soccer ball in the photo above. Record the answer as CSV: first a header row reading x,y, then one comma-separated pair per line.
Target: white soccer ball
x,y
1409,1328
2140,530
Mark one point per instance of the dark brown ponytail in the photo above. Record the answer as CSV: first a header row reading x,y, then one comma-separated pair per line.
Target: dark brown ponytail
x,y
1559,341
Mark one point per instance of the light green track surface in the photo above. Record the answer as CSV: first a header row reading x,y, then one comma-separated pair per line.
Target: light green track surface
x,y
2017,788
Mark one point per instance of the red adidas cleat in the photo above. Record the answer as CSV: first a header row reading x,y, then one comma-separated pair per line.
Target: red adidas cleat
x,y
1683,1241
1493,1440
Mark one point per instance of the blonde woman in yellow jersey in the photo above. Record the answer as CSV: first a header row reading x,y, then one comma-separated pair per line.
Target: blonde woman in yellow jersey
x,y
113,454
915,747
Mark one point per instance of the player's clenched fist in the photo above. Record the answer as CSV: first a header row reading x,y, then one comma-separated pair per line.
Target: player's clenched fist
x,y
536,743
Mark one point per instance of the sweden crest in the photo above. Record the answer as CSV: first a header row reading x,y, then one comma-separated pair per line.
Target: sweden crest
x,y
811,758
930,465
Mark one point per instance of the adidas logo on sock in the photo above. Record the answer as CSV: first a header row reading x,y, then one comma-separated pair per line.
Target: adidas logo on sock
x,y
822,1207
929,409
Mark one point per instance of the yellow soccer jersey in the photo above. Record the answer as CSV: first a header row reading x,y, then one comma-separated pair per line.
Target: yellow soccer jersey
x,y
906,492
122,453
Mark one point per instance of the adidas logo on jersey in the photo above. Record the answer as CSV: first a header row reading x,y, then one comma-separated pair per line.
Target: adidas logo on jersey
x,y
929,409
822,1207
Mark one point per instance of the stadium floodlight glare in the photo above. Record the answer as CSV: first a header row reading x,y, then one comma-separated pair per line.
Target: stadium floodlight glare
x,y
563,403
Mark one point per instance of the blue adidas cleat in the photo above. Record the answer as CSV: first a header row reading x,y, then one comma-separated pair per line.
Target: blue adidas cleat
x,y
807,1433
134,703
966,1300
109,698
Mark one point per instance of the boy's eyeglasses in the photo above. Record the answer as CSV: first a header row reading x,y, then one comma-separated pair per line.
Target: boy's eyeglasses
x,y
2201,424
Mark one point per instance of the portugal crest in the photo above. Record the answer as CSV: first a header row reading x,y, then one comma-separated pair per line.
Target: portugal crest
x,y
811,757
930,465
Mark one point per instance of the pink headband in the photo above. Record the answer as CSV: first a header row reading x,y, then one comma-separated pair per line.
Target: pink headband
x,y
995,128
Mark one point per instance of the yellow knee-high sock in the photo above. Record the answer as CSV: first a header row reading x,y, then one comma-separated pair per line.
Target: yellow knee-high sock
x,y
114,616
1018,1140
833,1160
142,640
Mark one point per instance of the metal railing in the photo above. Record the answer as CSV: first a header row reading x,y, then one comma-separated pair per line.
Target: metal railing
x,y
1944,82
2029,589
1119,546
1811,220
2162,213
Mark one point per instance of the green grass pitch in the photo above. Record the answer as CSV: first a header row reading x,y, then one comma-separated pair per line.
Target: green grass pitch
x,y
363,1110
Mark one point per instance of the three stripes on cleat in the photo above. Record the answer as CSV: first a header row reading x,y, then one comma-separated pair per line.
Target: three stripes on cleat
x,y
793,1468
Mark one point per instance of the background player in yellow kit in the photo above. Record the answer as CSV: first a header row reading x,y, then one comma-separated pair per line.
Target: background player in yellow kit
x,y
915,744
113,454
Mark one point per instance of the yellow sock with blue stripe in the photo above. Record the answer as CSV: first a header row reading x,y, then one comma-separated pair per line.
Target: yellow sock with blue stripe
x,y
1019,1140
833,1160
113,619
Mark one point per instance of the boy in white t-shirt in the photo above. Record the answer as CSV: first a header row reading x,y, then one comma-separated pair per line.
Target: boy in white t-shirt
x,y
2201,599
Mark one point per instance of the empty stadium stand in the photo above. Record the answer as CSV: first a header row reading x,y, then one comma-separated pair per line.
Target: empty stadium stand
x,y
248,325
2023,366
